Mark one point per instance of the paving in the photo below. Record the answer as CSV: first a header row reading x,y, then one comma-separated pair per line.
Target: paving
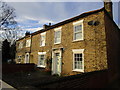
x,y
6,86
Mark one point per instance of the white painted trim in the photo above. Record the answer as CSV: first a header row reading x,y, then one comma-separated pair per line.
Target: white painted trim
x,y
60,36
43,33
78,51
78,22
41,66
28,40
57,29
53,61
28,58
40,53
75,24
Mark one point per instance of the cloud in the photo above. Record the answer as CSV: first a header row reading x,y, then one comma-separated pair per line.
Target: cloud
x,y
36,14
33,29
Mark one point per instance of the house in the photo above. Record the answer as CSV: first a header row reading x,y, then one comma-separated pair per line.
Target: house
x,y
85,43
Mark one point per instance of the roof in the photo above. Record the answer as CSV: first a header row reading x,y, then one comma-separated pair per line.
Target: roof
x,y
67,21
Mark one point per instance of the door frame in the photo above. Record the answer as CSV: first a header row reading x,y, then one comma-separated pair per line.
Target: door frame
x,y
54,63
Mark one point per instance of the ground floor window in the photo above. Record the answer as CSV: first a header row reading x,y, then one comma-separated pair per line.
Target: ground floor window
x,y
41,59
19,59
78,60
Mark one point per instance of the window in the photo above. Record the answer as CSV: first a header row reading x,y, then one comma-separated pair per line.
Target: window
x,y
19,59
57,37
78,60
78,30
21,45
42,39
28,43
41,59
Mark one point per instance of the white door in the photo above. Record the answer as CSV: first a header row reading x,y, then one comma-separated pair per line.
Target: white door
x,y
56,63
27,58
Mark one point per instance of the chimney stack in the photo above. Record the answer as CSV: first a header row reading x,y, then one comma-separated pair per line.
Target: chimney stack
x,y
108,7
46,26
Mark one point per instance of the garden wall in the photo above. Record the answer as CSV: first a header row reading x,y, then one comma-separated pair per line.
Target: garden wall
x,y
12,68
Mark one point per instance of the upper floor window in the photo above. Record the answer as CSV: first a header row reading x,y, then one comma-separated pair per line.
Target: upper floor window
x,y
57,35
78,60
42,39
28,43
20,44
78,30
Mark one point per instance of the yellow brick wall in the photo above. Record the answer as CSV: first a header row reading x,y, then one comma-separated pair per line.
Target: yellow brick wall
x,y
94,44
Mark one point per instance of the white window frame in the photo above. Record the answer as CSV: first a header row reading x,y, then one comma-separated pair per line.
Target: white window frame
x,y
28,43
78,51
41,43
55,30
41,53
20,45
80,22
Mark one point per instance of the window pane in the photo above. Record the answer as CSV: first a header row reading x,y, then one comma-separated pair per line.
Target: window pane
x,y
57,36
42,60
78,61
42,42
78,36
78,28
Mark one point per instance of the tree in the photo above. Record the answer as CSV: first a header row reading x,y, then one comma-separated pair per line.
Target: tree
x,y
8,25
7,15
10,31
5,51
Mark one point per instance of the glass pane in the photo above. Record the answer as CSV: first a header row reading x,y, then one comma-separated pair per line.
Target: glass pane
x,y
78,36
78,28
78,61
41,57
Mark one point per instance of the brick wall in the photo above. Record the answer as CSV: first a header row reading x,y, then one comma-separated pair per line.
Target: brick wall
x,y
113,47
12,68
97,79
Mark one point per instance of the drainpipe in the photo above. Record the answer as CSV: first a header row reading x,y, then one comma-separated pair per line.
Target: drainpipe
x,y
30,48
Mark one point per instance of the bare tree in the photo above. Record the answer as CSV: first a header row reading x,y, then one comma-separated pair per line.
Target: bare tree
x,y
12,35
7,15
8,26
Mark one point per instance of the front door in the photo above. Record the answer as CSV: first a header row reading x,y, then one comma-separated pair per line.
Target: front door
x,y
56,63
27,58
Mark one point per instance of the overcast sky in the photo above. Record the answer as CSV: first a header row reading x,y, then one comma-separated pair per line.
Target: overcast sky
x,y
32,16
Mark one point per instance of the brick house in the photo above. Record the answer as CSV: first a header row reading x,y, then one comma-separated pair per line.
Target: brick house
x,y
84,43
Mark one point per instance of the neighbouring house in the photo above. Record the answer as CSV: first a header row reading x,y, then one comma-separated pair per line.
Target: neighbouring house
x,y
85,43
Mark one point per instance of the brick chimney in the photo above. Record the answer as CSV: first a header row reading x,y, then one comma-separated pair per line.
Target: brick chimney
x,y
46,26
108,7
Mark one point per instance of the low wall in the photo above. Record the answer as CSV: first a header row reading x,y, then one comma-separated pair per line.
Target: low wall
x,y
11,68
97,79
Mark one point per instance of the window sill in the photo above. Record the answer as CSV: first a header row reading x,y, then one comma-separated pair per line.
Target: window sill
x,y
41,46
41,66
77,40
57,43
78,70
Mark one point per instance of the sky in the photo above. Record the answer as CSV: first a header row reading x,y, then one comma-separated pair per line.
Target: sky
x,y
31,16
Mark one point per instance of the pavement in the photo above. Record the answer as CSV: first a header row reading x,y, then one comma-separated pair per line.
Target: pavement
x,y
6,86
